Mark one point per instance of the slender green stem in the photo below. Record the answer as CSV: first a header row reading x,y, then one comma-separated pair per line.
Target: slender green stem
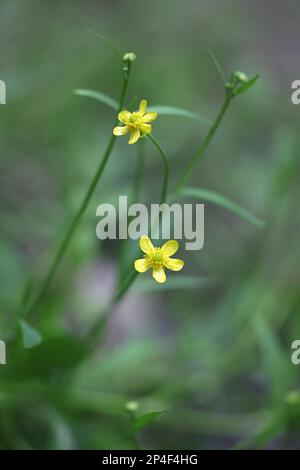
x,y
139,170
128,281
130,278
166,168
74,224
200,152
136,191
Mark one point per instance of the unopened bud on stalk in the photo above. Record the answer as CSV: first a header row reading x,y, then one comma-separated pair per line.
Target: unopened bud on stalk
x,y
129,57
132,406
127,60
235,82
241,77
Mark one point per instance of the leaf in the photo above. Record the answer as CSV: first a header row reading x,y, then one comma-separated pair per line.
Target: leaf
x,y
26,292
108,42
217,65
97,95
174,282
222,201
274,359
247,85
174,111
141,421
31,337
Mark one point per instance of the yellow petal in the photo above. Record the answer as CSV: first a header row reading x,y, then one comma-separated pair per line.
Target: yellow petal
x,y
149,117
123,116
141,265
159,275
146,245
134,136
143,106
146,128
174,264
170,247
120,130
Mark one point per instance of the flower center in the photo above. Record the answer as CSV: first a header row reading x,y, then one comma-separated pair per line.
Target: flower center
x,y
135,120
157,259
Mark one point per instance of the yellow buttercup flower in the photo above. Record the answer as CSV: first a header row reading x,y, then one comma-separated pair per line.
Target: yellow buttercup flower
x,y
158,258
136,123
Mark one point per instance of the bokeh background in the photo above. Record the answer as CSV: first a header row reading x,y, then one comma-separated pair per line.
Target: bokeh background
x,y
212,350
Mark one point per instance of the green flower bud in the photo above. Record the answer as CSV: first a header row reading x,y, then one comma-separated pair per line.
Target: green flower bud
x,y
129,57
132,406
235,82
127,60
241,77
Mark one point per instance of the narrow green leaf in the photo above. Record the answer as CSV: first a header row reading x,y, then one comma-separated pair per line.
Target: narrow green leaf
x,y
31,337
141,421
217,65
97,95
147,284
274,360
247,85
222,201
108,42
174,111
26,292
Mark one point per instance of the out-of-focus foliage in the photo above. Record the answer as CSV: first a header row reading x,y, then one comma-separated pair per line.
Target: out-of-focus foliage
x,y
212,348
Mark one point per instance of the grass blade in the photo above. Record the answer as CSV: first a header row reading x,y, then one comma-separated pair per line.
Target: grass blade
x,y
218,199
217,65
108,42
97,95
180,112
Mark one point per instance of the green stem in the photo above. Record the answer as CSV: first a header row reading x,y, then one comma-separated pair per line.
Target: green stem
x,y
200,152
74,224
139,170
136,191
128,281
166,168
130,278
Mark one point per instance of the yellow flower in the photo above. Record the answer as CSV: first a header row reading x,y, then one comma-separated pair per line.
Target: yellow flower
x,y
158,258
136,123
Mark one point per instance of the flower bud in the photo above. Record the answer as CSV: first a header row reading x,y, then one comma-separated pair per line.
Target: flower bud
x,y
129,57
132,406
127,60
241,77
235,82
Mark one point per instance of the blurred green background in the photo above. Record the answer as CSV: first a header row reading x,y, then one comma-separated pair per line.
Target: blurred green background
x,y
213,351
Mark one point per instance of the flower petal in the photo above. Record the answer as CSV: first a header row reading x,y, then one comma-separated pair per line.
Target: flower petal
x,y
120,130
149,117
141,265
170,247
146,245
159,275
146,128
134,136
123,116
174,264
143,106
